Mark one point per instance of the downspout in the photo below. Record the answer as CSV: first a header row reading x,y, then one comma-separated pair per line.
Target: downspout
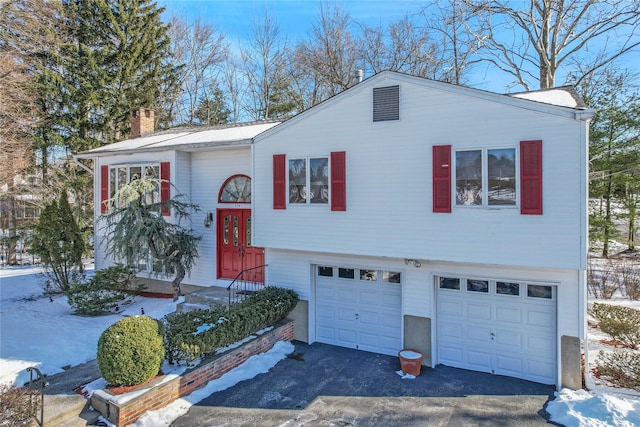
x,y
582,280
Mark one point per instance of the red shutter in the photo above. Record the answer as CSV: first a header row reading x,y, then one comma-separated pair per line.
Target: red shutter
x,y
104,189
165,187
338,181
442,178
279,181
531,177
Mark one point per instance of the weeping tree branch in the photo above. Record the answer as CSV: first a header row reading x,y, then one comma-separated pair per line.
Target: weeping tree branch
x,y
135,230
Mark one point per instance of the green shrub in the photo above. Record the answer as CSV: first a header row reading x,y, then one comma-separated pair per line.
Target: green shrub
x,y
131,351
104,292
621,368
201,332
17,405
621,323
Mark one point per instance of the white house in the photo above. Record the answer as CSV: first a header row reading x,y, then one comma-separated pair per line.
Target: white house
x,y
406,213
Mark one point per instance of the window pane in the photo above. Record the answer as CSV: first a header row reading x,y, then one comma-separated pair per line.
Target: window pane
x,y
112,183
370,275
391,276
135,173
325,271
319,180
298,181
539,291
235,230
504,288
122,181
502,177
469,178
225,231
449,283
248,231
478,285
346,273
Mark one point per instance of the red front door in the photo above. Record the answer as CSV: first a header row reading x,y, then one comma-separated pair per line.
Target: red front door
x,y
235,249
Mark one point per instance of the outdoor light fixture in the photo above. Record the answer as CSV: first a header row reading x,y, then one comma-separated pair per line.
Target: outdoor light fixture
x,y
415,262
208,219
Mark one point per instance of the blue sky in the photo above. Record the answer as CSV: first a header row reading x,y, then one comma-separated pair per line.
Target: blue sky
x,y
294,17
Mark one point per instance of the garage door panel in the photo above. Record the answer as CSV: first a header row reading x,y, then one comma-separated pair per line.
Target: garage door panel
x,y
346,295
511,340
346,337
326,312
542,343
324,292
390,320
369,318
540,318
478,334
451,355
324,333
368,297
541,370
509,314
390,344
346,315
508,365
391,299
478,360
450,307
480,311
450,331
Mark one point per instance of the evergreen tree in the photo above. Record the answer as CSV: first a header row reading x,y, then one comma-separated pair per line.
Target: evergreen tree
x,y
212,110
135,232
59,243
124,62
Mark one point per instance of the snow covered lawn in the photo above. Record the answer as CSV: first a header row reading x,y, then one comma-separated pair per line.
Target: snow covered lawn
x,y
42,332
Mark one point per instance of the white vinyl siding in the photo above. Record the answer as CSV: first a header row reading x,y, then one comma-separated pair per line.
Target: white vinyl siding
x,y
208,172
389,176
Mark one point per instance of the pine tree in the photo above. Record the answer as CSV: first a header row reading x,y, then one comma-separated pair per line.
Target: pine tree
x,y
59,243
212,110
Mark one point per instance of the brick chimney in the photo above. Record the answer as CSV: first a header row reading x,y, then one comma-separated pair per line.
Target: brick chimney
x,y
141,122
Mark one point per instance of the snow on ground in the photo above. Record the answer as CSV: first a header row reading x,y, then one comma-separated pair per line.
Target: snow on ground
x,y
42,332
35,331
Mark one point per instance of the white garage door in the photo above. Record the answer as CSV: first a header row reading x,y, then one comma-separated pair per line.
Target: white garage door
x,y
359,308
506,328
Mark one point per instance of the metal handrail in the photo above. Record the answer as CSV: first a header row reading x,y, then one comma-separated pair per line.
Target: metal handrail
x,y
238,282
41,383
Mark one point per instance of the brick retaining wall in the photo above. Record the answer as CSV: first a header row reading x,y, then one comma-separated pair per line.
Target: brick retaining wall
x,y
164,390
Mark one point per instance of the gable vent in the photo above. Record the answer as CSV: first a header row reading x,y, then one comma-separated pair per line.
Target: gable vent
x,y
386,103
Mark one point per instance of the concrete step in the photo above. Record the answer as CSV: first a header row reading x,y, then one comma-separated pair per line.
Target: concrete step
x,y
64,410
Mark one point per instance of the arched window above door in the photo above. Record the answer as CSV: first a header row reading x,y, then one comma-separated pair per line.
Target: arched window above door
x,y
236,189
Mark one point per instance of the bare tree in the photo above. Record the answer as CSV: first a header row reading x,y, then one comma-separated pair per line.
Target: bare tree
x,y
330,53
203,50
264,60
533,40
402,47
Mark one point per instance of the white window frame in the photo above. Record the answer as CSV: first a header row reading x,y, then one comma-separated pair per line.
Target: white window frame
x,y
307,161
485,177
129,166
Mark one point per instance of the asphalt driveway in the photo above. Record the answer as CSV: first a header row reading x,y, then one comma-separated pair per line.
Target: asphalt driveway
x,y
324,385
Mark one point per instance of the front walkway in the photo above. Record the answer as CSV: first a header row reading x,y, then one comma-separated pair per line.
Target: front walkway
x,y
322,385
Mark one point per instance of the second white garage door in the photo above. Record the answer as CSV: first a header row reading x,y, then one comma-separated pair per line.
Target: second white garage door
x,y
359,308
506,328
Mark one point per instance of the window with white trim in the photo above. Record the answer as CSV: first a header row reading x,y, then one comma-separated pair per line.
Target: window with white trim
x,y
120,175
486,177
309,180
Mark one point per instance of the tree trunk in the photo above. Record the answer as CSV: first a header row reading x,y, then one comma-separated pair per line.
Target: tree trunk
x,y
11,223
180,273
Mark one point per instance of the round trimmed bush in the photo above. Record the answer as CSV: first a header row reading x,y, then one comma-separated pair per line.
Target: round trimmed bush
x,y
131,351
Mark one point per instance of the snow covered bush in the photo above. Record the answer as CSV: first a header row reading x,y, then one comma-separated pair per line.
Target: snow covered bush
x,y
199,333
621,368
601,279
131,351
16,406
621,323
104,292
